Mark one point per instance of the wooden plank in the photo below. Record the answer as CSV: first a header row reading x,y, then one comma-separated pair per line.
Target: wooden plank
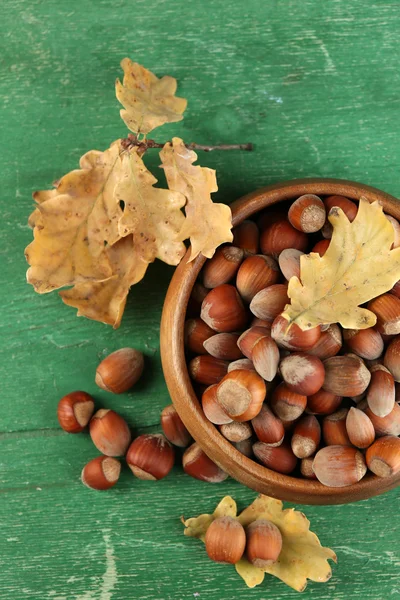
x,y
61,540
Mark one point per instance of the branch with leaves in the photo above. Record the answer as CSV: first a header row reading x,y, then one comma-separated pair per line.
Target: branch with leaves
x,y
102,225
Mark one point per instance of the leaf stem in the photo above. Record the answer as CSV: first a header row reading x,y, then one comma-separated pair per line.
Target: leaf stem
x,y
143,145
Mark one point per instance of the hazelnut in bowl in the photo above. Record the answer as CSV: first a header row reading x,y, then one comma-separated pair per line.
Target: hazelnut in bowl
x,y
305,413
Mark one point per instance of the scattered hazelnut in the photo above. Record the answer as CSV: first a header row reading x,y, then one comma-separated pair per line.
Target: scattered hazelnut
x,y
109,432
119,371
101,473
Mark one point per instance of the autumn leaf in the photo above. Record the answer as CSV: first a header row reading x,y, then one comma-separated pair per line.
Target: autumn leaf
x,y
153,215
148,101
208,225
105,301
302,557
73,223
357,266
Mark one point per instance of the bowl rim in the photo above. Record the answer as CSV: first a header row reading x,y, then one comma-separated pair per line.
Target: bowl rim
x,y
243,469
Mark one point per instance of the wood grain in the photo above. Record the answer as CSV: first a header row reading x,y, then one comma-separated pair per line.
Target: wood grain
x,y
315,86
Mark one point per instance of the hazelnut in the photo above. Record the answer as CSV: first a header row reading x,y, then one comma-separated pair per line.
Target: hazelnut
x,y
321,247
74,411
256,273
388,425
197,464
334,429
387,311
306,436
339,466
302,373
289,263
224,346
242,363
101,473
392,358
109,432
196,333
279,458
381,393
307,213
207,369
150,457
293,338
246,236
366,343
119,371
268,303
212,409
286,404
264,543
348,207
236,431
241,394
306,468
383,457
346,376
173,427
223,310
360,429
280,235
249,338
267,427
225,540
323,403
328,344
222,267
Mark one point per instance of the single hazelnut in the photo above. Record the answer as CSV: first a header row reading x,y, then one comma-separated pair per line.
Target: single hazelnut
x,y
150,457
222,267
225,540
197,464
109,432
264,543
247,236
173,427
101,473
119,371
339,466
74,411
241,394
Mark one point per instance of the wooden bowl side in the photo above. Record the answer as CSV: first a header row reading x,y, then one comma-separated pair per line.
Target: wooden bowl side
x,y
180,387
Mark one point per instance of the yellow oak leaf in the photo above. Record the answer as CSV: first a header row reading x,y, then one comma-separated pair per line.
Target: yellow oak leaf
x,y
105,301
208,225
153,215
358,265
74,222
148,101
302,557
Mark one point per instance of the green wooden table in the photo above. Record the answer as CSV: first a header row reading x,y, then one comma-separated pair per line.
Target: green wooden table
x,y
315,85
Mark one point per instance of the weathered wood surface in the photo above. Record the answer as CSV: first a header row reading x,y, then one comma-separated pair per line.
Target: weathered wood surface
x,y
316,87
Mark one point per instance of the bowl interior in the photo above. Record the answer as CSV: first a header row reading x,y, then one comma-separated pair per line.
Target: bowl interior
x,y
244,469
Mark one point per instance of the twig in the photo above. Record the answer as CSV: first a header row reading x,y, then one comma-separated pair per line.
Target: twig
x,y
144,145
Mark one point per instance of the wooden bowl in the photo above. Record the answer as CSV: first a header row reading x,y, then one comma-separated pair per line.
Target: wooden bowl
x,y
244,469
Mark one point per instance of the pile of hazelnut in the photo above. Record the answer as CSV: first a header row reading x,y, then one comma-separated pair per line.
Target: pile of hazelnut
x,y
149,456
319,403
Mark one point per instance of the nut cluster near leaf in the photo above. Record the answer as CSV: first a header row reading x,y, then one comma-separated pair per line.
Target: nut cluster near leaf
x,y
358,265
103,224
285,382
278,541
